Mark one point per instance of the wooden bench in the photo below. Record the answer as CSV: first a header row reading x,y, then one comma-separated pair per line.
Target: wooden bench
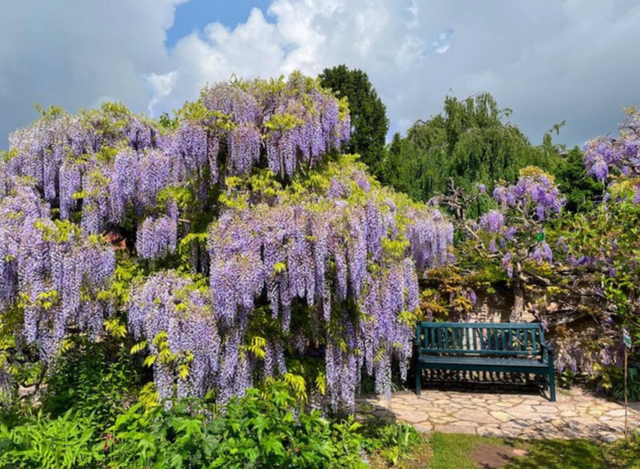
x,y
488,347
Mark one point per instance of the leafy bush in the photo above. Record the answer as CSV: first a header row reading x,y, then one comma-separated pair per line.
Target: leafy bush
x,y
68,442
175,437
86,379
391,441
612,381
262,429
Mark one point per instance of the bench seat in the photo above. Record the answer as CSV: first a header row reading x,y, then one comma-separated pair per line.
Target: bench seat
x,y
482,363
489,347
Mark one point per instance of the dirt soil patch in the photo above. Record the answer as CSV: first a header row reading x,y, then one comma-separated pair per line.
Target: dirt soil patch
x,y
495,456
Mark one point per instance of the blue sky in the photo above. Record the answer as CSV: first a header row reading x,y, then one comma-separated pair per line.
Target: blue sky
x,y
549,60
196,14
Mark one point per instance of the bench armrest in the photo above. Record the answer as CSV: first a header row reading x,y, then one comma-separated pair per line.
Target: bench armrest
x,y
549,351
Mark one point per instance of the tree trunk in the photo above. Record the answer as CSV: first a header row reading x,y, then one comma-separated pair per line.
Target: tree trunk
x,y
518,303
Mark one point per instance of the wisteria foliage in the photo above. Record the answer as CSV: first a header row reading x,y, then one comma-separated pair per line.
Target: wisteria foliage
x,y
512,236
50,269
605,157
297,234
515,230
178,319
350,241
113,166
338,247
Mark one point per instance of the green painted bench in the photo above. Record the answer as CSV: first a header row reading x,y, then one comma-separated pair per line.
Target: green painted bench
x,y
489,347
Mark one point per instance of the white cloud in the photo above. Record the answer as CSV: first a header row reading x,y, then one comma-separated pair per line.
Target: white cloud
x,y
548,60
442,42
161,86
73,54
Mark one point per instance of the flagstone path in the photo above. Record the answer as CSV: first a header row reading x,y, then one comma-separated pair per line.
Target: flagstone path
x,y
576,414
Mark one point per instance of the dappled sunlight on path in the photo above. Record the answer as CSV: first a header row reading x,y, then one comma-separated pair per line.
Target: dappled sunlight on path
x,y
576,414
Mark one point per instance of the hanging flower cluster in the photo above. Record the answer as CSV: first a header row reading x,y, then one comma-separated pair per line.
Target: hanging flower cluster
x,y
337,246
348,242
513,234
609,156
112,165
50,269
618,160
308,255
40,150
178,321
101,165
535,195
524,207
291,125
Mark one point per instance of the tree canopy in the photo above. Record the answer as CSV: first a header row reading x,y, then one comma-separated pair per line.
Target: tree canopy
x,y
368,114
470,143
580,188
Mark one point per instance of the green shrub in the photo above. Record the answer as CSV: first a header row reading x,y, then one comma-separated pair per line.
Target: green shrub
x,y
68,442
175,437
633,386
92,380
612,380
390,440
264,429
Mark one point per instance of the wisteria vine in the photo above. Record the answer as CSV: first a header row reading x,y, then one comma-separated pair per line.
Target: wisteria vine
x,y
51,270
606,157
342,250
350,242
309,240
514,233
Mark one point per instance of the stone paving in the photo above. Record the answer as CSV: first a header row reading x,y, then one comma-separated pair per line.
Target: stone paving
x,y
576,414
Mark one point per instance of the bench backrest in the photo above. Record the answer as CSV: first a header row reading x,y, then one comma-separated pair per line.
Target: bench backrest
x,y
514,339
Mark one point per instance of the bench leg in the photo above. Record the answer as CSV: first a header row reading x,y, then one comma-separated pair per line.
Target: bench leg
x,y
552,385
418,379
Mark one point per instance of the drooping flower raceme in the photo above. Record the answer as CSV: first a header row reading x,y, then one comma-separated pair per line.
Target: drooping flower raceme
x,y
617,158
52,268
112,164
303,256
323,248
177,319
513,234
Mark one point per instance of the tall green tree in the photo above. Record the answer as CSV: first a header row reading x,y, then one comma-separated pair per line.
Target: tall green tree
x,y
580,188
368,114
469,144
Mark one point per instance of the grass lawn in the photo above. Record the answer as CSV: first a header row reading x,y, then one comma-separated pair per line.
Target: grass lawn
x,y
454,451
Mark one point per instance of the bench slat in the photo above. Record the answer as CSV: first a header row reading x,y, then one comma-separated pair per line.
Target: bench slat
x,y
486,361
533,339
480,353
482,325
492,339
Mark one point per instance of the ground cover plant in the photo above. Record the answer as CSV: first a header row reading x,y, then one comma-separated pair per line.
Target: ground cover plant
x,y
266,428
454,451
